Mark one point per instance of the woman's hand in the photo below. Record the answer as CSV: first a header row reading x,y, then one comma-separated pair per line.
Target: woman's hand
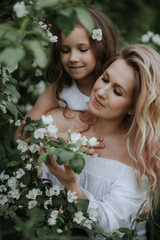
x,y
21,134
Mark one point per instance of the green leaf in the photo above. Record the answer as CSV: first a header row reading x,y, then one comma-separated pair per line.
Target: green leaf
x,y
43,231
12,108
47,3
38,52
28,128
67,12
85,18
61,141
26,178
77,164
42,158
13,163
125,230
13,91
66,25
36,214
11,56
65,155
82,205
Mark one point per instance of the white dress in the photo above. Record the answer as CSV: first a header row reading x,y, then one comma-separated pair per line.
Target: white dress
x,y
112,190
74,98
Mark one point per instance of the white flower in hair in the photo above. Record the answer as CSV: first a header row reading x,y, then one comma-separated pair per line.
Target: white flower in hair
x,y
53,39
97,34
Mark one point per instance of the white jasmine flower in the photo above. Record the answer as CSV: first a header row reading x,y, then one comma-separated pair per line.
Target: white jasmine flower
x,y
39,170
19,173
97,34
14,193
93,141
150,34
78,217
51,221
59,230
32,204
28,166
55,190
52,130
39,192
145,38
49,33
18,123
47,119
93,214
20,9
3,188
40,87
44,26
12,182
71,196
84,140
32,194
22,146
87,223
40,23
22,185
48,202
156,39
34,148
3,176
11,121
3,108
75,137
39,133
3,199
38,73
53,39
54,214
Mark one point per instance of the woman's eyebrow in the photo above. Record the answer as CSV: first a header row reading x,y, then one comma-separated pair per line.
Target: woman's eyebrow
x,y
120,86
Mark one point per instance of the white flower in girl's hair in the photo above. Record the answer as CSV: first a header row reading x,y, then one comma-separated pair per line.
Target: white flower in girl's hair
x,y
53,39
97,34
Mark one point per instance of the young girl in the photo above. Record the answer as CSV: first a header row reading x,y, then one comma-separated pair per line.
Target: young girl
x,y
76,62
125,103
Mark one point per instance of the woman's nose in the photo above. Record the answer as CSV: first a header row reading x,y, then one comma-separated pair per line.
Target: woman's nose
x,y
103,92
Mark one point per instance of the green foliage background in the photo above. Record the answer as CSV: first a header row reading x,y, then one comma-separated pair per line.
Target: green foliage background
x,y
22,40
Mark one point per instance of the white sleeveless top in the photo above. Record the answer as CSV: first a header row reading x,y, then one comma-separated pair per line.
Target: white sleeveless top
x,y
74,98
112,190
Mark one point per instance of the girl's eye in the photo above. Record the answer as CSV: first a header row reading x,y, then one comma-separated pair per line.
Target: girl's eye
x,y
84,50
105,80
64,51
117,92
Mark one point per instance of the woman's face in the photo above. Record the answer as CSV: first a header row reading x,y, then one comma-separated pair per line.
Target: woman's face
x,y
112,94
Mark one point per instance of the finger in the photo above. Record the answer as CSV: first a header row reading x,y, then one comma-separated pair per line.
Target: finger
x,y
82,129
100,145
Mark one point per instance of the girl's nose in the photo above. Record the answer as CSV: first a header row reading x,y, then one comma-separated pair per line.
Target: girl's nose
x,y
74,57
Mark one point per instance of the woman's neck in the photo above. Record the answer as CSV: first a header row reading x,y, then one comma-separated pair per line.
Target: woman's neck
x,y
108,128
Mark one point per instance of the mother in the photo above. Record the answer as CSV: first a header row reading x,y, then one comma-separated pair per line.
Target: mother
x,y
125,103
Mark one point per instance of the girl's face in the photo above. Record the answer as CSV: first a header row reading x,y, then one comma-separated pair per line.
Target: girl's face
x,y
76,54
112,94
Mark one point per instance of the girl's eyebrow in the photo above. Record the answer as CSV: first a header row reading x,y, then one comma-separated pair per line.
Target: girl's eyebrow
x,y
115,83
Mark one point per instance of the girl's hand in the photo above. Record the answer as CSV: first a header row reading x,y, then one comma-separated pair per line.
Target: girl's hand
x,y
21,134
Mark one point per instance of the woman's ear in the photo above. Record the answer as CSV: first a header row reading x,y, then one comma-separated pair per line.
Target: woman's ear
x,y
130,111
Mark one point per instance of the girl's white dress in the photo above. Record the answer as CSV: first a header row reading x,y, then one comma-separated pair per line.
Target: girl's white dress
x,y
110,185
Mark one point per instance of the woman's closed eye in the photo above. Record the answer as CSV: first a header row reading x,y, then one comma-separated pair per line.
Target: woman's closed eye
x,y
65,50
105,80
117,92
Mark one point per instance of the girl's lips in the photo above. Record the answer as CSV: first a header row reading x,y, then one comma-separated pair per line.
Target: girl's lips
x,y
76,68
97,103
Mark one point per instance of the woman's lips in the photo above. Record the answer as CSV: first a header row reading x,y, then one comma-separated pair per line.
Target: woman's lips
x,y
97,103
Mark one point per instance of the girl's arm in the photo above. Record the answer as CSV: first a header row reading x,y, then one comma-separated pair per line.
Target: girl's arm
x,y
45,102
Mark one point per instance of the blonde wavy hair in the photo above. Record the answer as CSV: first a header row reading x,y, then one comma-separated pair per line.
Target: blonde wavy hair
x,y
144,125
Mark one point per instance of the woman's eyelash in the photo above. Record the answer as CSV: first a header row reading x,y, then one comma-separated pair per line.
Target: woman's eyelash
x,y
105,80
